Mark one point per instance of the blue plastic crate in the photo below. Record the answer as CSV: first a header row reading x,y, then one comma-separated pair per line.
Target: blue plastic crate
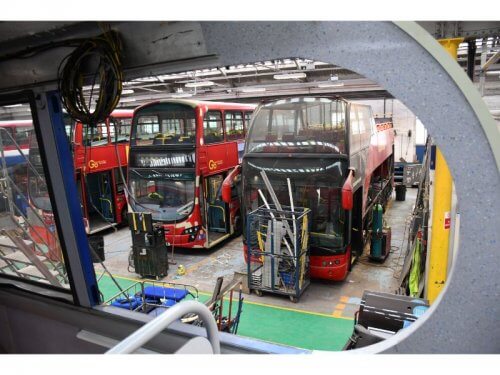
x,y
288,278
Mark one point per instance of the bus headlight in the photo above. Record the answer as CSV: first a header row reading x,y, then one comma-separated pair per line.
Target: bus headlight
x,y
191,230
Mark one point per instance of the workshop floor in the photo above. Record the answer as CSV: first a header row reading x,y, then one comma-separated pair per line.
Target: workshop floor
x,y
323,317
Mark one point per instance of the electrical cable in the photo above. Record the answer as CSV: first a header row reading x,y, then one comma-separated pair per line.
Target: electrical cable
x,y
106,48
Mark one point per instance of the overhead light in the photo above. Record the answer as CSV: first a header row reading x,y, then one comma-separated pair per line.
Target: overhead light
x,y
326,85
13,105
182,95
290,76
493,72
200,84
252,89
127,100
127,91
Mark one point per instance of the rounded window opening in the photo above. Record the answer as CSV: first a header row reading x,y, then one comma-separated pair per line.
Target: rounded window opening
x,y
333,200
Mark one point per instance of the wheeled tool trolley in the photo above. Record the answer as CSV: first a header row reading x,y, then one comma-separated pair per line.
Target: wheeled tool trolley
x,y
149,251
278,250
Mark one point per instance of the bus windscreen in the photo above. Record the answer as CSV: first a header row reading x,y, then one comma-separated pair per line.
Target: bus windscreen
x,y
299,125
168,195
316,184
164,123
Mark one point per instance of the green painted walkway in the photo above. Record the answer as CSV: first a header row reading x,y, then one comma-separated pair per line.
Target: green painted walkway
x,y
272,323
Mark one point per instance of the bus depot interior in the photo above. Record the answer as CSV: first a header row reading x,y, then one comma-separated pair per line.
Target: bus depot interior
x,y
292,197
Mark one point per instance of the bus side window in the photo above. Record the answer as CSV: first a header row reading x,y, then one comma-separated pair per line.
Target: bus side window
x,y
22,135
7,138
234,125
212,127
119,129
354,130
246,125
364,115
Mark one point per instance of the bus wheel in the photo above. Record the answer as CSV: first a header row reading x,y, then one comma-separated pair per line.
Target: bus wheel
x,y
349,265
238,227
124,216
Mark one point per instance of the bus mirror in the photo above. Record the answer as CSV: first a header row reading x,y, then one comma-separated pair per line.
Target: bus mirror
x,y
228,184
347,195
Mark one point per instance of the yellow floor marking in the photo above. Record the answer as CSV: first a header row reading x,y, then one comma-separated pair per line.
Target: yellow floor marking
x,y
338,314
295,310
251,302
344,299
340,306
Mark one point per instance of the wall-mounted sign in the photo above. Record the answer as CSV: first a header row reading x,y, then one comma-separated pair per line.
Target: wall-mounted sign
x,y
447,220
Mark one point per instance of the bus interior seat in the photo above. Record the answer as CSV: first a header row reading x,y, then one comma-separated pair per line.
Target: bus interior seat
x,y
270,147
185,139
288,137
213,137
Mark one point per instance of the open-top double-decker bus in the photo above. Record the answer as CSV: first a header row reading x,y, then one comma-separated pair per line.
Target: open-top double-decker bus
x,y
180,153
339,162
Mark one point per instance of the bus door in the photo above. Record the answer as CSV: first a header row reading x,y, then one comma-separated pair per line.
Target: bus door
x,y
101,197
217,210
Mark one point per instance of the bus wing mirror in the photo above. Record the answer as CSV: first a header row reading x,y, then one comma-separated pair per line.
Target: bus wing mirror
x,y
347,194
228,184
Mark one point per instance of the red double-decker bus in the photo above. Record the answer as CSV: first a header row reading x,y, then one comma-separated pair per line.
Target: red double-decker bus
x,y
14,150
98,154
180,153
339,162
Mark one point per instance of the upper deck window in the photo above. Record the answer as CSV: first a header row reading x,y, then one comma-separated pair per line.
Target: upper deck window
x,y
299,125
95,136
119,129
212,127
164,123
234,125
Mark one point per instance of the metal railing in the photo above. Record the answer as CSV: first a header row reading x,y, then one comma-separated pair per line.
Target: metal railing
x,y
157,325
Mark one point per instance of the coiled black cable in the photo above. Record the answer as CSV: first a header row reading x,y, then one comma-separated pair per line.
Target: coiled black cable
x,y
73,70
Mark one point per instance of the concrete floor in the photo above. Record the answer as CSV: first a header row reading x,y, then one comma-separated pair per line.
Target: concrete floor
x,y
338,299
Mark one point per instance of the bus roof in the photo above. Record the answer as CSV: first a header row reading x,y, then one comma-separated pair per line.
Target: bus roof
x,y
196,103
122,113
15,123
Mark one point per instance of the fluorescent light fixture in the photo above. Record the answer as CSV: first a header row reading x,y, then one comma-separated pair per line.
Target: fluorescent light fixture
x,y
290,76
493,72
13,105
127,100
253,89
326,85
200,84
127,91
182,95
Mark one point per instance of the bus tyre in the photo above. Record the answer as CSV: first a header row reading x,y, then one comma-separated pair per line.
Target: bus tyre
x,y
349,265
238,227
124,217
